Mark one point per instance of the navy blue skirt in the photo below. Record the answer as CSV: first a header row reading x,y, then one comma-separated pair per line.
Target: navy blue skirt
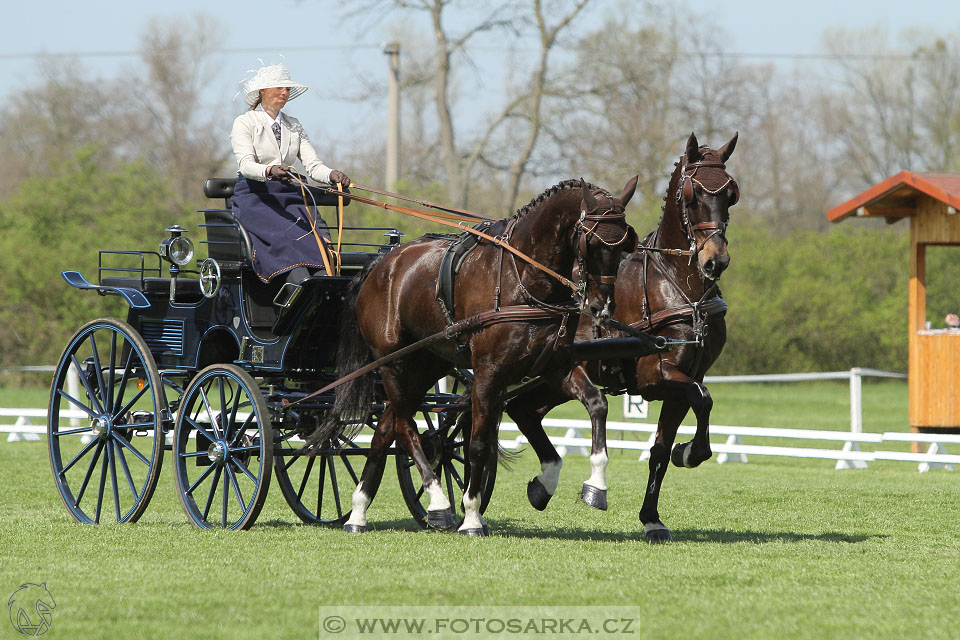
x,y
276,220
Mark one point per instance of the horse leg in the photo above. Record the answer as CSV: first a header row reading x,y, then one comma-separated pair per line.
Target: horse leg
x,y
691,454
406,389
528,411
372,472
671,414
594,490
486,408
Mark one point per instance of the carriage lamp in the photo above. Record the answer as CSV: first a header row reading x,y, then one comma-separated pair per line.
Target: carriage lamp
x,y
178,249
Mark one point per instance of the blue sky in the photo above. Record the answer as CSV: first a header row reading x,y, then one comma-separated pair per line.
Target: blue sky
x,y
113,27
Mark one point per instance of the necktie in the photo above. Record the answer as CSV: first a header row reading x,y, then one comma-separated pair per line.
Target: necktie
x,y
276,132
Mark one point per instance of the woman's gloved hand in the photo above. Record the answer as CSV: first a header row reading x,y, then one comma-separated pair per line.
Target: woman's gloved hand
x,y
339,177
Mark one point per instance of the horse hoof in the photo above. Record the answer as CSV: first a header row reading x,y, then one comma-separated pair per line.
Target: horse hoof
x,y
659,536
596,498
537,495
481,532
677,455
442,519
354,528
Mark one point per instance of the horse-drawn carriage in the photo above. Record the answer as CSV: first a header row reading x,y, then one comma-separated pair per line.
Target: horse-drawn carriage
x,y
233,375
209,364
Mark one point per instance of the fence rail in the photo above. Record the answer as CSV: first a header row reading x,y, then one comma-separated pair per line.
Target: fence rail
x,y
30,424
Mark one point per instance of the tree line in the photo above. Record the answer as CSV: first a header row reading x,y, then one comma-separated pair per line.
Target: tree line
x,y
86,165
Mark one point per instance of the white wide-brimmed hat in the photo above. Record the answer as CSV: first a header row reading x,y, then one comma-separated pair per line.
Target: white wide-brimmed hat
x,y
274,75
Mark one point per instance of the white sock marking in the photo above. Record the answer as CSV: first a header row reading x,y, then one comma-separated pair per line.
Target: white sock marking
x,y
438,501
471,513
360,503
598,471
550,475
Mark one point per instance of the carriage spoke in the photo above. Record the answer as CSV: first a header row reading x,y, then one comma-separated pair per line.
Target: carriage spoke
x,y
121,388
293,460
234,410
71,432
213,489
322,474
245,470
226,495
97,367
103,481
108,395
243,429
112,457
86,478
353,474
132,401
196,425
306,477
193,454
86,385
456,476
236,488
126,471
336,488
252,447
209,410
132,449
202,477
224,418
79,405
450,496
90,445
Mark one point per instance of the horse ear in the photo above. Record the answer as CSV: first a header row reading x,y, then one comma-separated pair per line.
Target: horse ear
x,y
629,190
693,148
589,202
727,150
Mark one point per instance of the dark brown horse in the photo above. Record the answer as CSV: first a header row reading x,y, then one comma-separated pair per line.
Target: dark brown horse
x,y
664,294
396,305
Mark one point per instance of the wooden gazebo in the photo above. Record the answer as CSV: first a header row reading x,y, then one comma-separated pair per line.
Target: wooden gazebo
x,y
931,202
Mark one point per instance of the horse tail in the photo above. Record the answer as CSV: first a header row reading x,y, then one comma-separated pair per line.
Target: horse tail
x,y
354,399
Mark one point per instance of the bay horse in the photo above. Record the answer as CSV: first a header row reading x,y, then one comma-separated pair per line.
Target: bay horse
x,y
395,304
667,287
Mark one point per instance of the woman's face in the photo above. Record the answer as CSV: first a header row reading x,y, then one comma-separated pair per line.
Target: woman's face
x,y
274,98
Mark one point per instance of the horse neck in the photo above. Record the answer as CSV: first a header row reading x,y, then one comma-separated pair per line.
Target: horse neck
x,y
544,232
671,234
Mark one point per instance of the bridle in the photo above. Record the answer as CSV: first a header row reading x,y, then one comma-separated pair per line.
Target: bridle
x,y
686,199
587,227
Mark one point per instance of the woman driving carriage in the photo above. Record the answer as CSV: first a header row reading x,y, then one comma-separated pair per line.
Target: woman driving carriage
x,y
266,199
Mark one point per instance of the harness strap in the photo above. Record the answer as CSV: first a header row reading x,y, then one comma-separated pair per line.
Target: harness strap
x,y
664,317
517,313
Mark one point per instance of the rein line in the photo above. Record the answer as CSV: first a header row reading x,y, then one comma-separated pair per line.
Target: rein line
x,y
444,219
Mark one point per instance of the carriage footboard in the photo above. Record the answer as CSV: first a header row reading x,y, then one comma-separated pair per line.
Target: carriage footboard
x,y
134,298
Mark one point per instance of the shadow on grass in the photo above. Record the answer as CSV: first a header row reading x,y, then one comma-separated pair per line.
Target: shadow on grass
x,y
517,528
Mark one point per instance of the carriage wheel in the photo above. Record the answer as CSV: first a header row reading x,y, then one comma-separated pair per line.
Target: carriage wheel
x,y
109,458
320,488
223,449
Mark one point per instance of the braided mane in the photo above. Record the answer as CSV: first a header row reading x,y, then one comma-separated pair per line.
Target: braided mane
x,y
572,183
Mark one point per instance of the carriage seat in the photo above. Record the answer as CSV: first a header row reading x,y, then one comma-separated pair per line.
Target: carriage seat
x,y
223,188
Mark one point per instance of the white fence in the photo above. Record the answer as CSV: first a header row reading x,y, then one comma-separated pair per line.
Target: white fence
x,y
30,424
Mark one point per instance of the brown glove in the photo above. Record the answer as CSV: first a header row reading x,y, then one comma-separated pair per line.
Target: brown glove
x,y
339,177
276,172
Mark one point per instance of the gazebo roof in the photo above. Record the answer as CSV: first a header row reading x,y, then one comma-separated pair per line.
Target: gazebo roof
x,y
896,197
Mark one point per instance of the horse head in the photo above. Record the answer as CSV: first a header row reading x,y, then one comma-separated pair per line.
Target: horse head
x,y
603,238
704,194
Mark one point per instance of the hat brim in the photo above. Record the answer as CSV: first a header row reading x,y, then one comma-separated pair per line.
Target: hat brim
x,y
296,90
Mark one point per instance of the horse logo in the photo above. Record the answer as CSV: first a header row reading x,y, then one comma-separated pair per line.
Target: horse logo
x,y
30,607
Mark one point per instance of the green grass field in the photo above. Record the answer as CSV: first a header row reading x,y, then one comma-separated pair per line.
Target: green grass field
x,y
774,548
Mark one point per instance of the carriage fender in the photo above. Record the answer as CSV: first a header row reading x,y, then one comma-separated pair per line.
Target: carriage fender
x,y
134,298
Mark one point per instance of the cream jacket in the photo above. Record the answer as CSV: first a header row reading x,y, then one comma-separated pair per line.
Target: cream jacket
x,y
256,148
